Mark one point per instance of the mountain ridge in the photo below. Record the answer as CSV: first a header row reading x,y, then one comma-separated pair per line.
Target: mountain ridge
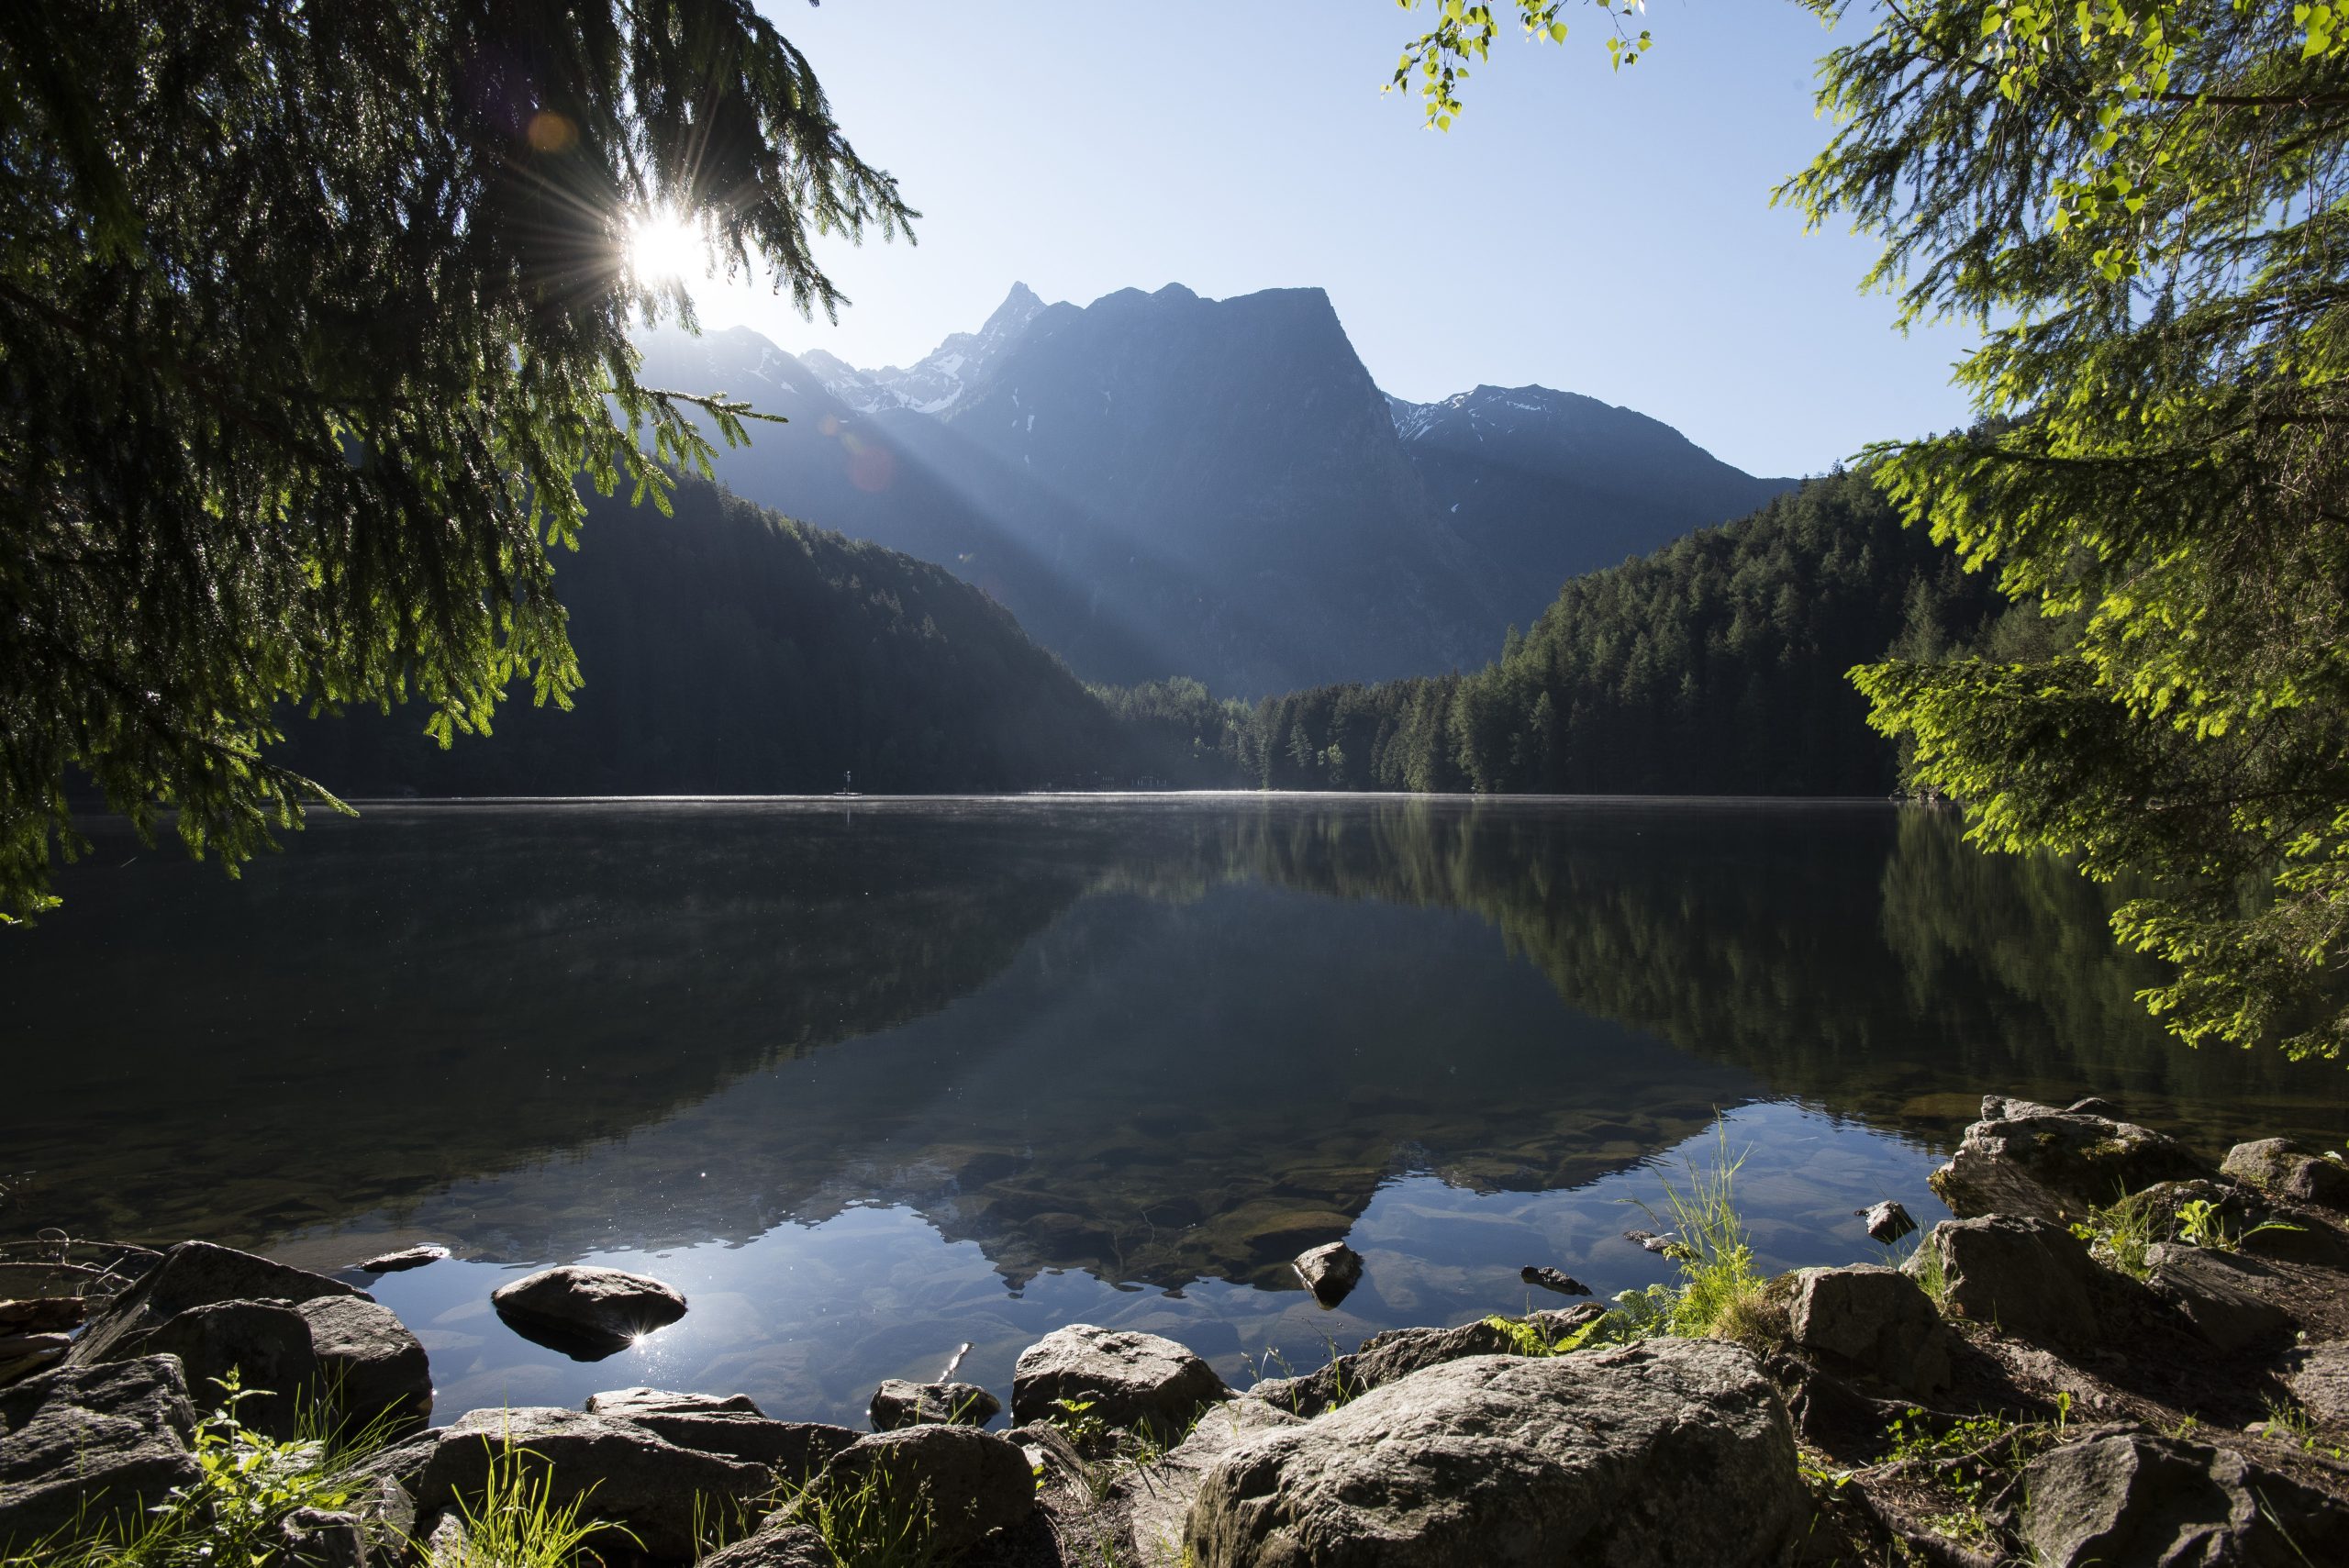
x,y
1160,484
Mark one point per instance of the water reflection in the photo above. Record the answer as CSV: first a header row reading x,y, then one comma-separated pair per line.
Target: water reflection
x,y
868,1083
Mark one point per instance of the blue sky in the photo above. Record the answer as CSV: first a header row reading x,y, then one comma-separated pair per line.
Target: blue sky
x,y
1606,234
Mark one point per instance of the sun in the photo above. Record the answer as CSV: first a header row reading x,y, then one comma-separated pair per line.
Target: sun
x,y
663,247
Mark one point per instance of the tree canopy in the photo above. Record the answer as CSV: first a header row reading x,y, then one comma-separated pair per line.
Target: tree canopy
x,y
313,319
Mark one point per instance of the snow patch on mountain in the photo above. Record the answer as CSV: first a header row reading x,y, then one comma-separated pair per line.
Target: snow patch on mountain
x,y
944,377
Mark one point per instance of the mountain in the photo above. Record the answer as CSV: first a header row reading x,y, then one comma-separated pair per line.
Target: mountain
x,y
1552,484
1160,484
726,649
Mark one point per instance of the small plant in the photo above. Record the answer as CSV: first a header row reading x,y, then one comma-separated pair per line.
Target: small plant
x,y
875,1523
1716,1277
2122,1234
1076,1420
1928,1273
2201,1223
514,1521
1526,1338
246,1484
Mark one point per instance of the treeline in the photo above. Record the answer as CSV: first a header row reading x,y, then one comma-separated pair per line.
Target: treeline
x,y
729,650
1714,666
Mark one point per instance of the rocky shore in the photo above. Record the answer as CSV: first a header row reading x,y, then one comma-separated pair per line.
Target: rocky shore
x,y
2114,1355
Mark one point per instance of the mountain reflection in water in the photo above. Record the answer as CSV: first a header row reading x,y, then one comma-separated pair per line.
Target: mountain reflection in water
x,y
919,1062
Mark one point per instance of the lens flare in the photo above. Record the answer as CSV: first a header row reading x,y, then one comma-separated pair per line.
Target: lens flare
x,y
663,247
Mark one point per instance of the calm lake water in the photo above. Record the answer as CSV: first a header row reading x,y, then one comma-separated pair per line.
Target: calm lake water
x,y
867,1080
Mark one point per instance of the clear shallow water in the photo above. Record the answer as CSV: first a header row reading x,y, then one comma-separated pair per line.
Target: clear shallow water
x,y
867,1082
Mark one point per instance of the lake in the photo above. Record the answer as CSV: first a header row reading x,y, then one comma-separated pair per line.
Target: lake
x,y
867,1079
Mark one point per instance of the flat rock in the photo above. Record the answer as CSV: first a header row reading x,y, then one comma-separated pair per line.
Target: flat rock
x,y
322,1538
1668,1453
404,1259
2028,1160
783,1546
628,1475
2133,1497
2289,1170
587,1312
2319,1377
2029,1277
1549,1278
975,1483
1330,1272
897,1402
193,1274
1158,1497
1876,1321
1129,1379
1385,1357
664,1402
2216,1293
796,1451
110,1439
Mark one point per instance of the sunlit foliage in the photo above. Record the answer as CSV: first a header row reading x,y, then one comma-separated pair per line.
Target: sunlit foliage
x,y
312,319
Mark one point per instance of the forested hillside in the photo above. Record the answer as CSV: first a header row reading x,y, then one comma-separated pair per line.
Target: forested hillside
x,y
729,650
1715,666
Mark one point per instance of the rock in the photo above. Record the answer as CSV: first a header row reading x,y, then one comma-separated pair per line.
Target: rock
x,y
1875,1319
586,1313
266,1344
1662,1244
785,1546
43,1315
1553,1279
1888,1222
795,1450
370,1368
2212,1290
2287,1169
1557,1322
662,1402
1331,1273
21,1355
106,1440
2319,1377
1157,1502
322,1538
1670,1452
1382,1358
975,1483
1129,1379
404,1259
628,1475
2028,1277
193,1274
2031,1161
2133,1497
897,1402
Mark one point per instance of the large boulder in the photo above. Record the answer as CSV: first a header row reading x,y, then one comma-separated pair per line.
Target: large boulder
x,y
2027,1277
970,1484
1389,1355
1876,1320
371,1370
1670,1452
265,1345
91,1443
2134,1497
2289,1170
897,1402
586,1313
728,1424
2217,1293
193,1274
627,1474
2031,1161
1126,1379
